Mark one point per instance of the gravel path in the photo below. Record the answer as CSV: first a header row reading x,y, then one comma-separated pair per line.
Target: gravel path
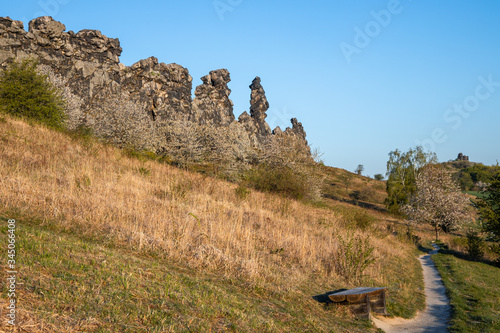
x,y
434,319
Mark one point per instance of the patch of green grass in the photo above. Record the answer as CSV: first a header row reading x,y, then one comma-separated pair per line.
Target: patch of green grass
x,y
144,171
474,291
401,301
282,180
478,194
69,283
242,192
141,155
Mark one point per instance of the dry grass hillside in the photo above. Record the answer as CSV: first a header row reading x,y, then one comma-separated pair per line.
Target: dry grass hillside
x,y
342,185
264,245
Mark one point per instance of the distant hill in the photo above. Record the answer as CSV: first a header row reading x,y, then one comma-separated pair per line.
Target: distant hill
x,y
471,176
344,186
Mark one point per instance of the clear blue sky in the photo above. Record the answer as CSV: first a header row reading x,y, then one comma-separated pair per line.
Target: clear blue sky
x,y
364,78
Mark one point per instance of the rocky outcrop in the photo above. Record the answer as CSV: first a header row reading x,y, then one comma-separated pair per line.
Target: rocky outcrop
x,y
164,90
212,104
297,130
258,107
462,157
48,40
135,105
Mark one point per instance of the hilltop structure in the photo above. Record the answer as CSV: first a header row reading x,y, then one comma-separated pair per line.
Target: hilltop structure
x,y
136,105
462,157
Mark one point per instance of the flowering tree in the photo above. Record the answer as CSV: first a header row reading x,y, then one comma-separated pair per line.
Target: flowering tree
x,y
437,200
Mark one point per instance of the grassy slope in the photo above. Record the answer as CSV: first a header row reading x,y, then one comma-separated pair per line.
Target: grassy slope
x,y
249,264
74,284
336,187
480,195
474,290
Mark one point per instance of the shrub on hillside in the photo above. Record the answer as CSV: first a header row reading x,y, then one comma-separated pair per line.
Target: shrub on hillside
x,y
363,220
475,245
357,218
72,103
220,151
354,254
28,94
365,194
280,180
458,244
285,166
242,192
495,249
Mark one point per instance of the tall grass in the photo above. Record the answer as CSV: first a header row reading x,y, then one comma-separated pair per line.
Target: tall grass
x,y
95,189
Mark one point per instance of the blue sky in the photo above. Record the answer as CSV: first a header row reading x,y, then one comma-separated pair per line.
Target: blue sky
x,y
364,78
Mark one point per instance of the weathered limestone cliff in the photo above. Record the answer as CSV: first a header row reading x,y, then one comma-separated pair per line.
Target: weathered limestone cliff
x,y
136,105
212,104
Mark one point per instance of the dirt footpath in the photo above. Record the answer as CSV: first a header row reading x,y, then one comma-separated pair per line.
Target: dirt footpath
x,y
434,319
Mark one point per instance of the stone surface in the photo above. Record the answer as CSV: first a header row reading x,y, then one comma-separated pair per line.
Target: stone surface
x,y
462,157
46,27
212,104
258,107
297,129
136,105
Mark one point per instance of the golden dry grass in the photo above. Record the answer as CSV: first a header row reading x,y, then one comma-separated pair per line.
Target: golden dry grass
x,y
200,221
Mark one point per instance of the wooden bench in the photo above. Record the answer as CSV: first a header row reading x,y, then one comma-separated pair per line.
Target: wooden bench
x,y
362,301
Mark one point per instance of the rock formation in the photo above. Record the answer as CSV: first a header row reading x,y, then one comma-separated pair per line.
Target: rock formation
x,y
212,104
462,157
258,107
135,105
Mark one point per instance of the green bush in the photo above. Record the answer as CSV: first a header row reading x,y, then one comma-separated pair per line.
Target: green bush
x,y
363,220
475,245
242,191
144,171
458,244
414,239
280,180
495,248
366,194
27,94
357,218
354,255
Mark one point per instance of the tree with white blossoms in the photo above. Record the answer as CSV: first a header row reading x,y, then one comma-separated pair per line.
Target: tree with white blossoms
x,y
437,201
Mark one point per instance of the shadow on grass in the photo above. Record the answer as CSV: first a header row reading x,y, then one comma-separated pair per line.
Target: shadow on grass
x,y
465,256
424,249
104,237
354,202
323,298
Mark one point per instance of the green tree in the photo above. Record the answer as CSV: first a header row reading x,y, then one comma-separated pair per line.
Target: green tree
x,y
489,209
474,177
379,176
359,169
402,171
437,200
465,181
27,94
